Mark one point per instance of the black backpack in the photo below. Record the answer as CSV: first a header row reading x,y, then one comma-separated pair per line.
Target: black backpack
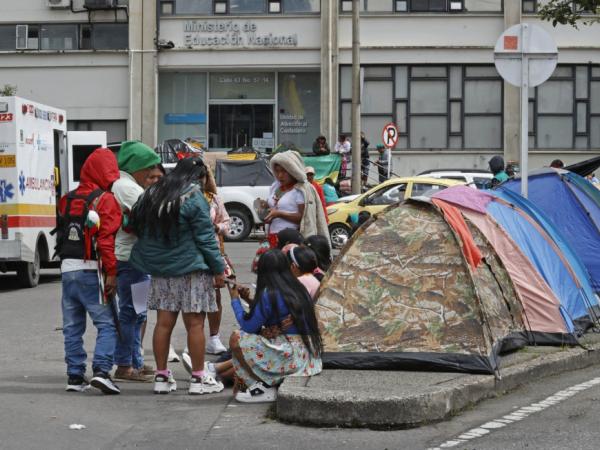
x,y
70,238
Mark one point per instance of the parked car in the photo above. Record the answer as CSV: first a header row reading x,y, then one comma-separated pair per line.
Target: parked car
x,y
476,178
239,183
377,199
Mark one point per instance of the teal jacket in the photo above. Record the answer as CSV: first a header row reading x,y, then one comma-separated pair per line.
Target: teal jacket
x,y
192,245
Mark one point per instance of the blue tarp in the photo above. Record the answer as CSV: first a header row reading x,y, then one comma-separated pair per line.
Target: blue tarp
x,y
572,210
583,279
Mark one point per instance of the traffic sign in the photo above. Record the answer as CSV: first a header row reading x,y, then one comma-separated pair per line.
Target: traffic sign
x,y
389,135
525,56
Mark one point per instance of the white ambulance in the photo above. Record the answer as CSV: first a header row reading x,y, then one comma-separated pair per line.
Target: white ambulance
x,y
39,162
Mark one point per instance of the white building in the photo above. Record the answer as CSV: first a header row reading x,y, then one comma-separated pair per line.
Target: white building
x,y
230,71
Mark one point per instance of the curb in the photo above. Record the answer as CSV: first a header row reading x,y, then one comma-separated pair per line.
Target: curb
x,y
297,403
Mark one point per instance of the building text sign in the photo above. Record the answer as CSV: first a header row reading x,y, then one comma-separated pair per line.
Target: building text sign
x,y
233,33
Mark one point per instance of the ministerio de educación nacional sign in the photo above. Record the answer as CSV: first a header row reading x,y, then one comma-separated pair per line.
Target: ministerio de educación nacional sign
x,y
233,34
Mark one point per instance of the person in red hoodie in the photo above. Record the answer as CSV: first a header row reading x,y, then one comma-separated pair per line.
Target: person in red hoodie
x,y
88,220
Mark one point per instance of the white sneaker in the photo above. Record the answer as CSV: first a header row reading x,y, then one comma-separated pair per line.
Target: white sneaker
x,y
257,393
214,346
186,360
205,385
163,384
173,357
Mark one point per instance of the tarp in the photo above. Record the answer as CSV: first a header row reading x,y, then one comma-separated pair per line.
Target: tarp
x,y
325,166
243,173
585,168
401,296
573,209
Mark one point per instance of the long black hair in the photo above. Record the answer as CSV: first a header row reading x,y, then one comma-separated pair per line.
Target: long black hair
x,y
275,278
304,258
320,245
158,209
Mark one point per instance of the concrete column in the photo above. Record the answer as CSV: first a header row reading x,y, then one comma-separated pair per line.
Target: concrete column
x,y
512,99
329,71
142,71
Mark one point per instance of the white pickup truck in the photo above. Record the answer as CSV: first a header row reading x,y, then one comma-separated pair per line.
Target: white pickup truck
x,y
239,184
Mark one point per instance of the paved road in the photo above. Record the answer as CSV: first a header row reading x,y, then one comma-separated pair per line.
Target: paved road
x,y
35,411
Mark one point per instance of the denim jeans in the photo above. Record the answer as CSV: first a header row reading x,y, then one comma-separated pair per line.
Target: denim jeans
x,y
128,350
80,295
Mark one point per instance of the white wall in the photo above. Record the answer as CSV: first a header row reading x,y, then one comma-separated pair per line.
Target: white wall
x,y
87,86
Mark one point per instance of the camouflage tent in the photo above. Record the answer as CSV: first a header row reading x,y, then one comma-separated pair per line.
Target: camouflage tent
x,y
402,295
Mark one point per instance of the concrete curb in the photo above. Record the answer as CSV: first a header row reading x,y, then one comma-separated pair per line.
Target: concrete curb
x,y
298,403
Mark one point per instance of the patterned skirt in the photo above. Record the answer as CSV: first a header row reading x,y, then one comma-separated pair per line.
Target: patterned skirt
x,y
272,360
191,293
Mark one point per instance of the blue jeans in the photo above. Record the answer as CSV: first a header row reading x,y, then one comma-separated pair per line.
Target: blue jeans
x,y
80,295
128,350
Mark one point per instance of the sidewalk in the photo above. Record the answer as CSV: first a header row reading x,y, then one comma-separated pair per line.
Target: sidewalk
x,y
402,399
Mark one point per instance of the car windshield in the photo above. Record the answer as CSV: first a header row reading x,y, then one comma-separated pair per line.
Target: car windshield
x,y
481,182
387,195
425,189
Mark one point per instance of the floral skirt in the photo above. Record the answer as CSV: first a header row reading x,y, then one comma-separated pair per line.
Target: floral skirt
x,y
191,293
272,360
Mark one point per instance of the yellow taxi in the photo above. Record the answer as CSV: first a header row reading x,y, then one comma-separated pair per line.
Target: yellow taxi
x,y
377,199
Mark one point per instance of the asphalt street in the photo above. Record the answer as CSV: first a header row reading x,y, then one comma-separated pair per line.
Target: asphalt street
x,y
36,412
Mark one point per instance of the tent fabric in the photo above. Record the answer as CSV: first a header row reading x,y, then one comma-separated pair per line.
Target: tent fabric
x,y
585,168
541,307
477,200
243,173
551,191
401,295
581,273
458,224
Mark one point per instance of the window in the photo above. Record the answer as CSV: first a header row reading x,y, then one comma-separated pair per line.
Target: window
x,y
247,6
483,5
7,37
433,106
301,6
426,189
58,37
110,36
167,8
193,7
387,195
116,130
242,85
242,7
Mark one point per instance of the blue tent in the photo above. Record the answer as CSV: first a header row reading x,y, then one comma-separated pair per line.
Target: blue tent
x,y
572,205
567,276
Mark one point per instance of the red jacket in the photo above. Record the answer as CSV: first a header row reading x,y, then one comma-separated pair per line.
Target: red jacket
x,y
100,171
319,190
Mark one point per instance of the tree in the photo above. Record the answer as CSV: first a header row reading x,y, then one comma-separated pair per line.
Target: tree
x,y
8,90
570,12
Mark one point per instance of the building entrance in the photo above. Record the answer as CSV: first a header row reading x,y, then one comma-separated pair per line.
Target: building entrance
x,y
234,126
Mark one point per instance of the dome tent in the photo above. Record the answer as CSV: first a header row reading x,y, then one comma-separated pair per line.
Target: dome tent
x,y
402,295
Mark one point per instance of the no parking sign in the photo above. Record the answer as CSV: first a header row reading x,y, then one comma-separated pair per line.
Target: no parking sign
x,y
389,135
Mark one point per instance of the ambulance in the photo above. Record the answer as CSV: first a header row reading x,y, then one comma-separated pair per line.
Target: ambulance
x,y
39,162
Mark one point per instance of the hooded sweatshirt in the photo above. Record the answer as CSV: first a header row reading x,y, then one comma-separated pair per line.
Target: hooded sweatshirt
x,y
313,220
100,171
133,156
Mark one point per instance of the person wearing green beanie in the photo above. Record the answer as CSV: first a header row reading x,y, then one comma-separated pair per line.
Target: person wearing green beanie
x,y
136,162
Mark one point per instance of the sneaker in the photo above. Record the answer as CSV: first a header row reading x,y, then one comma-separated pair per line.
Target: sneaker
x,y
214,346
129,374
77,383
163,384
103,382
257,393
173,357
186,360
205,385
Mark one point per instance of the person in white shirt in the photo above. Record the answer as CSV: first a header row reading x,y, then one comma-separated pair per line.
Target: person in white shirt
x,y
136,163
344,148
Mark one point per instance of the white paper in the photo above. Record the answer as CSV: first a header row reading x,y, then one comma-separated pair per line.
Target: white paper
x,y
140,293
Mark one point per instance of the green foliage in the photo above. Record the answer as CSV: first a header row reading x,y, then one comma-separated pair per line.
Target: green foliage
x,y
569,12
8,90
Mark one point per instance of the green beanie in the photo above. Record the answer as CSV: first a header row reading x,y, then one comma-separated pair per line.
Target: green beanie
x,y
135,155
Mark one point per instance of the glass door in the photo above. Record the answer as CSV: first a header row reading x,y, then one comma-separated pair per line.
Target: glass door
x,y
234,126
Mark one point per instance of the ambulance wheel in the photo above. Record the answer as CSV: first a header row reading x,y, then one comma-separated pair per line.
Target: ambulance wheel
x,y
28,273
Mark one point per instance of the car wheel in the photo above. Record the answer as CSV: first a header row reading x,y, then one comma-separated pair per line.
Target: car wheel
x,y
339,235
240,225
28,273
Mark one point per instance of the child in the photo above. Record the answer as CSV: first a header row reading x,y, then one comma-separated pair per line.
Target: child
x,y
303,263
320,246
263,363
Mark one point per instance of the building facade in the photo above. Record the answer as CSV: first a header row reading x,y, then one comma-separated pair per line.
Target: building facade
x,y
268,72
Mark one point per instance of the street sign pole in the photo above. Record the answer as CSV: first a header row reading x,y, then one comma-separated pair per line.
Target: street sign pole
x,y
524,113
525,56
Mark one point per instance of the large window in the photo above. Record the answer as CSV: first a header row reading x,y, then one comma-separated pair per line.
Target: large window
x,y
565,110
116,130
105,36
7,37
58,37
434,107
423,6
241,7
